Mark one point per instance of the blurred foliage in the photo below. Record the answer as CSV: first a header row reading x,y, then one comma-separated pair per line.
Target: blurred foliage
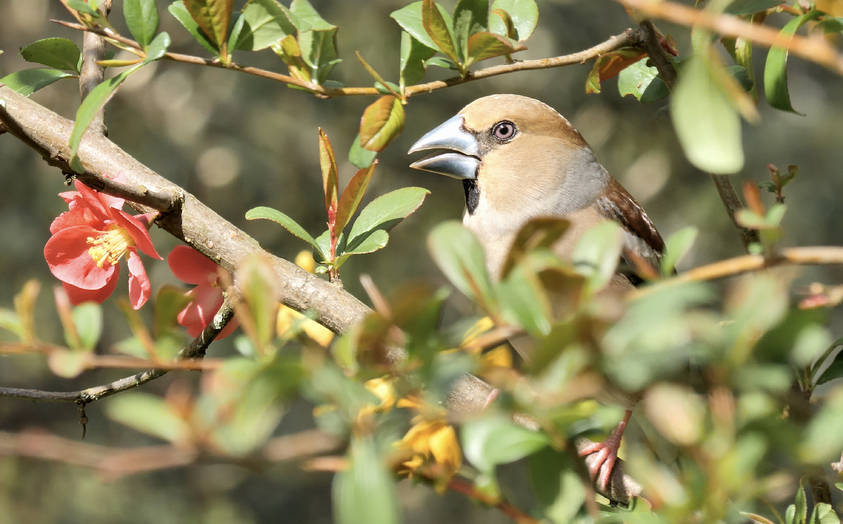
x,y
740,410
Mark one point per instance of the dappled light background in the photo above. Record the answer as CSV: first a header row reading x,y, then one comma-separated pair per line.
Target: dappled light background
x,y
237,141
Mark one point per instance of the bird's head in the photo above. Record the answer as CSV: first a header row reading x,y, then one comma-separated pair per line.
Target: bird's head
x,y
512,151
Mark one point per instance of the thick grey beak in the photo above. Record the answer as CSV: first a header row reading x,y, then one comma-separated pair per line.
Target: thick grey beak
x,y
462,163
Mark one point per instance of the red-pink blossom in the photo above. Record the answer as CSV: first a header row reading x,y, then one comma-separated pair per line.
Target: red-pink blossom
x,y
191,267
90,239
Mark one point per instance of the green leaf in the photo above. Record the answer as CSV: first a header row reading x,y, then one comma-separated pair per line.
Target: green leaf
x,y
142,19
58,53
833,371
148,414
597,253
556,484
360,157
366,243
29,81
179,11
318,45
831,24
441,61
259,285
11,322
352,195
413,56
610,65
265,23
824,514
524,15
482,46
677,245
157,48
68,364
88,320
365,492
213,17
438,27
460,256
470,17
382,121
410,20
749,7
642,82
490,441
775,69
83,7
169,302
92,104
706,122
384,213
289,224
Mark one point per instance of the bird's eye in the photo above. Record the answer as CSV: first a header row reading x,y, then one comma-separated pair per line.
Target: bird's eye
x,y
503,130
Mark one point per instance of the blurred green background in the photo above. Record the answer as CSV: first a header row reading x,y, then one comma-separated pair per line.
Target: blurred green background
x,y
238,141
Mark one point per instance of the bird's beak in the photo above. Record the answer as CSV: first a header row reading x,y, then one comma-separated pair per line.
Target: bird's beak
x,y
461,162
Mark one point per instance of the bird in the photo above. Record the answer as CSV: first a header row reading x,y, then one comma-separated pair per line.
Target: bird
x,y
519,159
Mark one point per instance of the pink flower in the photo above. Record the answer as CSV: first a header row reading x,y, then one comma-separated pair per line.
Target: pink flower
x,y
191,267
90,239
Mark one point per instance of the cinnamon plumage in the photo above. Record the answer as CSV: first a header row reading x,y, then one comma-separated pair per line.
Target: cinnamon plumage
x,y
520,159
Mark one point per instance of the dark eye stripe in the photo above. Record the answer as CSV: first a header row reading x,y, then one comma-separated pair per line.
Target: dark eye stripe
x,y
504,130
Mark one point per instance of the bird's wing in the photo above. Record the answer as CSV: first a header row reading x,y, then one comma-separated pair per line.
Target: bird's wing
x,y
642,240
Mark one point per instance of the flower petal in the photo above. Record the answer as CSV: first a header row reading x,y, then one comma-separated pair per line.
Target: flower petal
x,y
200,312
67,255
139,286
191,266
78,295
138,231
96,200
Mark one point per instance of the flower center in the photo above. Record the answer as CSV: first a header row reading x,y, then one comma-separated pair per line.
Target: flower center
x,y
110,245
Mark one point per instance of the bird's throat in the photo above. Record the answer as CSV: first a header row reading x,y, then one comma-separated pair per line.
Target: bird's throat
x,y
472,194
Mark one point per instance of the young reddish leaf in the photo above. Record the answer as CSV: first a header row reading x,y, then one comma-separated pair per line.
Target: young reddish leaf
x,y
489,45
609,65
438,29
382,121
329,174
213,16
352,195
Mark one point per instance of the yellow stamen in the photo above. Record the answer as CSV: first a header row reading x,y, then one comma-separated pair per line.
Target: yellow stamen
x,y
111,245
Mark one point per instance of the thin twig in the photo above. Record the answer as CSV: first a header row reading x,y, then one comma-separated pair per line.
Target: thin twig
x,y
795,256
630,37
814,49
119,462
658,56
459,485
196,349
732,203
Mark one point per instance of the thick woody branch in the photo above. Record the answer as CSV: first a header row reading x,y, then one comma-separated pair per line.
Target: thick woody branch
x,y
190,221
195,350
658,56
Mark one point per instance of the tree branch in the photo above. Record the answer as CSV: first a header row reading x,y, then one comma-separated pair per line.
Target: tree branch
x,y
192,221
194,350
732,203
816,50
630,37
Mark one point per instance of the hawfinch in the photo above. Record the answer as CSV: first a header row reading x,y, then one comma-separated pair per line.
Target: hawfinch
x,y
519,159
